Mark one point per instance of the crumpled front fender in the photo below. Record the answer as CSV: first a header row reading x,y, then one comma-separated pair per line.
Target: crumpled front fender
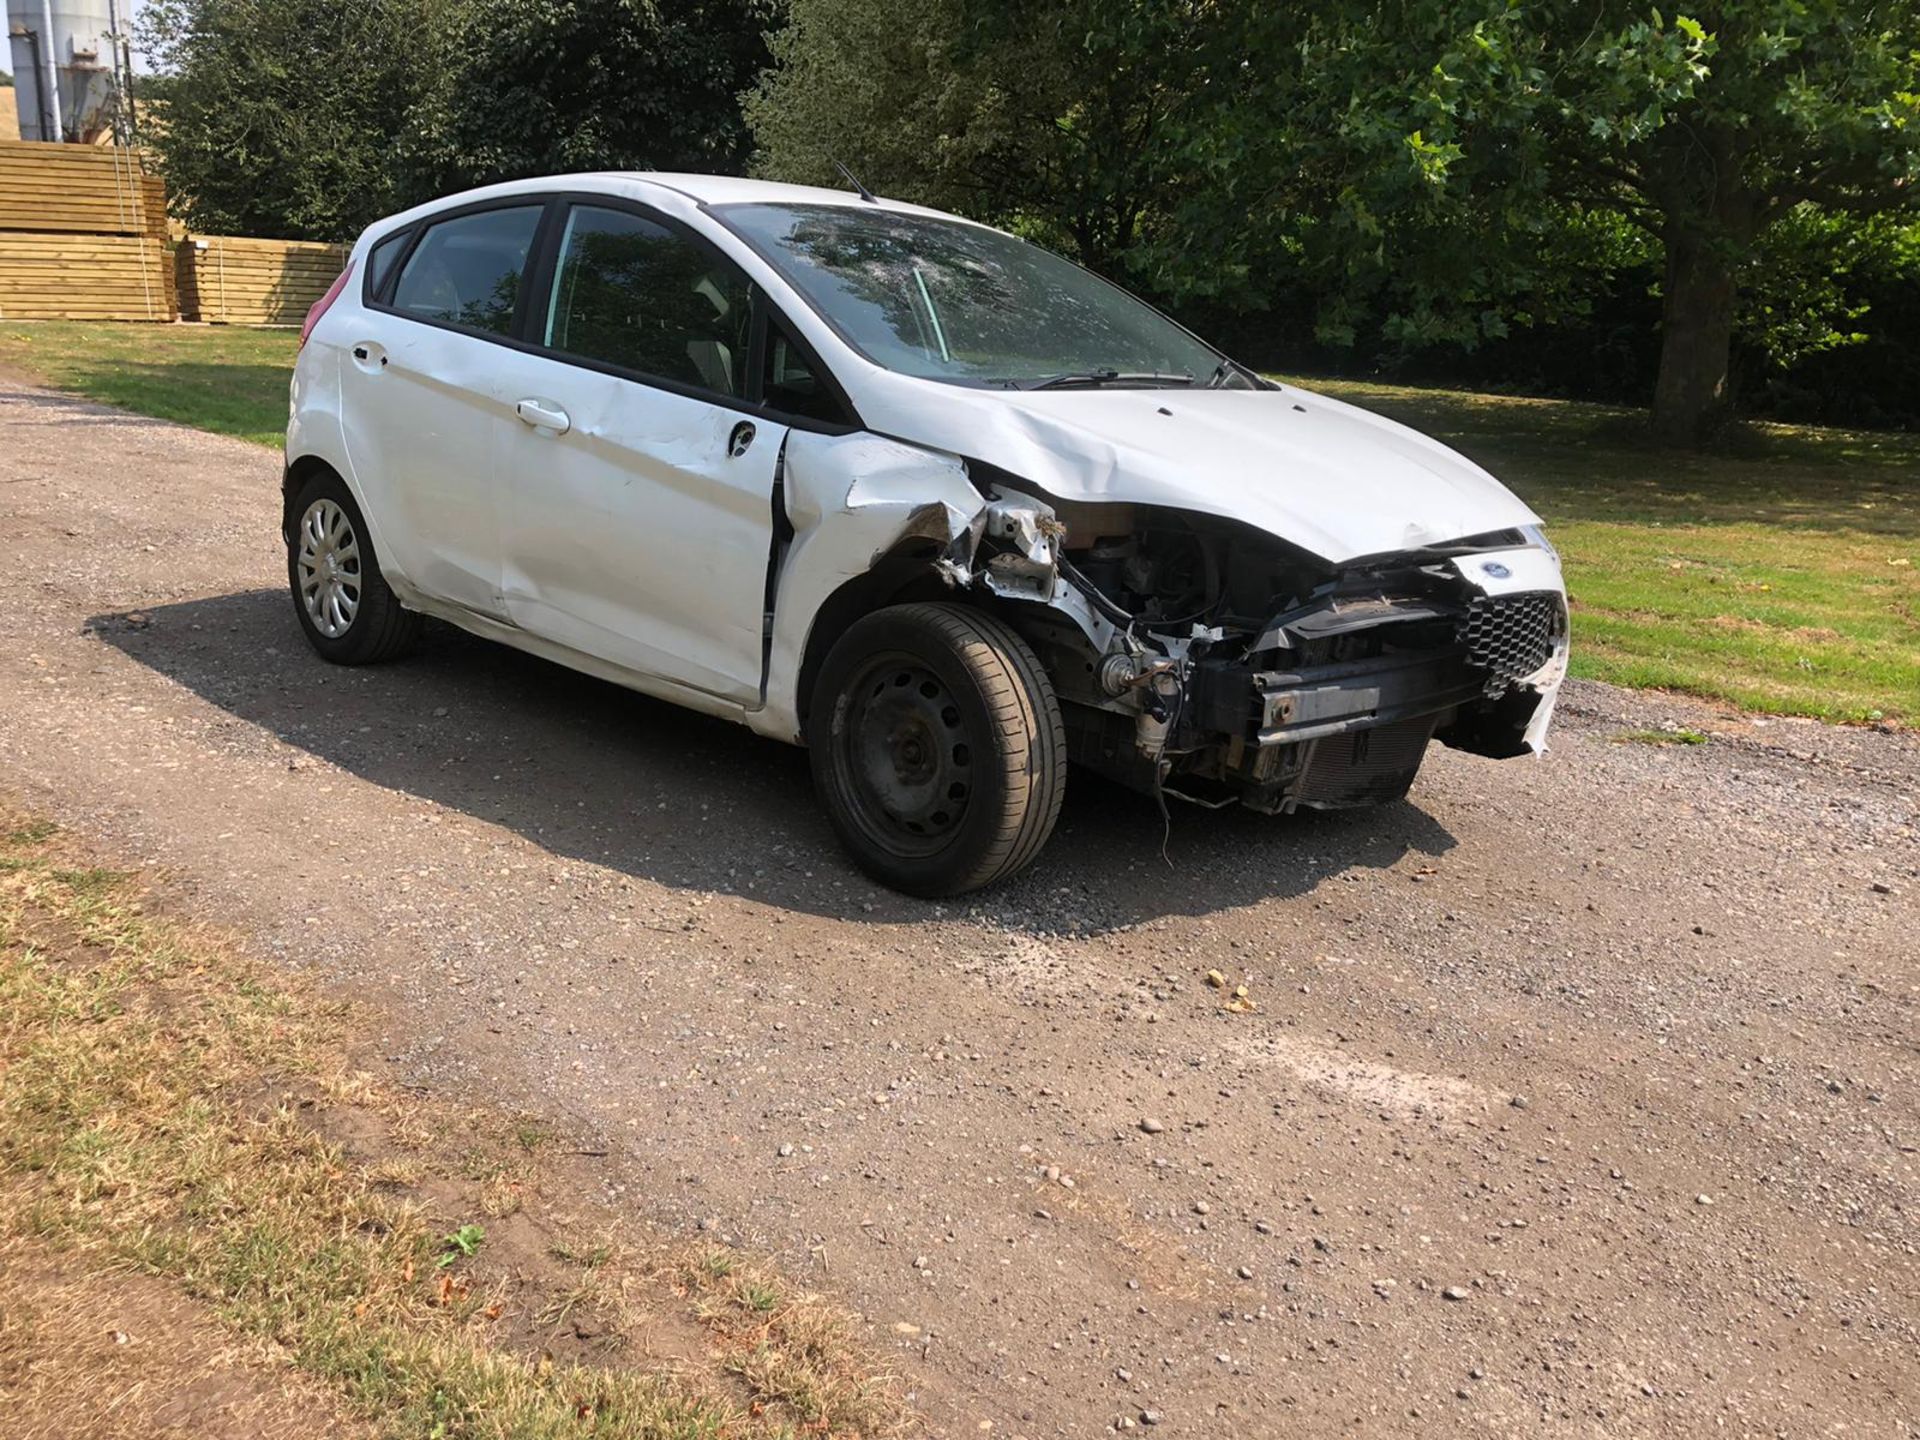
x,y
851,500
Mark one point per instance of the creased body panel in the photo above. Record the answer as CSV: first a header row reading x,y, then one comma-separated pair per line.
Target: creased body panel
x,y
1320,474
851,499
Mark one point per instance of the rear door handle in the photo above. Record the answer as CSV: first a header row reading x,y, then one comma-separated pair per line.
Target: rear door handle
x,y
543,416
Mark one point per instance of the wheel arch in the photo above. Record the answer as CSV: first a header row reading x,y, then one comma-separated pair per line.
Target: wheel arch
x,y
297,472
906,574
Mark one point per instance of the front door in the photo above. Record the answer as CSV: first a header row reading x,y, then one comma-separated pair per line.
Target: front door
x,y
636,487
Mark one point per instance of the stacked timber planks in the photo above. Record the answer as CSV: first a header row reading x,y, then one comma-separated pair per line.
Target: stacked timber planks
x,y
84,277
87,189
83,235
255,282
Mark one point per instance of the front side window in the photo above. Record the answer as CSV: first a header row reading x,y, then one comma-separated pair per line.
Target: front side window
x,y
788,382
951,301
632,293
467,271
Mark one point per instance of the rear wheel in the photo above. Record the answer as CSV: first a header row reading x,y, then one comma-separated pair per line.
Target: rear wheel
x,y
349,614
937,748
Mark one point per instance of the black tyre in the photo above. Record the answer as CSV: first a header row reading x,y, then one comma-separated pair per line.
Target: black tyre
x,y
349,614
937,748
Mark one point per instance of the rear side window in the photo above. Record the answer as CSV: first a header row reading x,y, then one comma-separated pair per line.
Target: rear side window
x,y
635,294
380,259
467,271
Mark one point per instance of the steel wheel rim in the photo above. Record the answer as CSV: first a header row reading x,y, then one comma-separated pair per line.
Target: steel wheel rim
x,y
904,756
328,566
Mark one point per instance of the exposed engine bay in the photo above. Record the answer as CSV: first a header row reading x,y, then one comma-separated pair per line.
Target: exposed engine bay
x,y
1201,658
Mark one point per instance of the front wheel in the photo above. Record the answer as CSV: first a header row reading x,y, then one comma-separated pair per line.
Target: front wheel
x,y
937,748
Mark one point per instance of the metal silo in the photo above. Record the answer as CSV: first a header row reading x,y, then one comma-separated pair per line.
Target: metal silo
x,y
69,65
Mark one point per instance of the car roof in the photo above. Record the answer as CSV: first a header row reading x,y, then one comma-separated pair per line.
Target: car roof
x,y
705,190
739,190
699,190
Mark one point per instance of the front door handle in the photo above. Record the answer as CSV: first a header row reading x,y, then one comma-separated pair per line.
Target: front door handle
x,y
543,416
740,439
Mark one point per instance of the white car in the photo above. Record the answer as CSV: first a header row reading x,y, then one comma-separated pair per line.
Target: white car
x,y
923,497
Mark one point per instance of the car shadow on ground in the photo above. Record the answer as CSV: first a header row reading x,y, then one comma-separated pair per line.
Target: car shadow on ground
x,y
592,772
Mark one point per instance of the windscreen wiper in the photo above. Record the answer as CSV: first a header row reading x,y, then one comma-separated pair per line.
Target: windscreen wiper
x,y
1107,377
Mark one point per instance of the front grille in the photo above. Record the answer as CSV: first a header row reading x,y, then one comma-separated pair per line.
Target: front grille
x,y
1511,636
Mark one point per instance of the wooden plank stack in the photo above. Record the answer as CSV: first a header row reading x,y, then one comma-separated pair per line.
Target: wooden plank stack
x,y
83,235
254,282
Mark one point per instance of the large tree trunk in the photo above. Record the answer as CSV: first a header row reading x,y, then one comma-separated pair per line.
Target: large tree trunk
x,y
1696,336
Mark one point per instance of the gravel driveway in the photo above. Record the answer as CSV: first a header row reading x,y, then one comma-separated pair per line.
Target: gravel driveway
x,y
1579,1096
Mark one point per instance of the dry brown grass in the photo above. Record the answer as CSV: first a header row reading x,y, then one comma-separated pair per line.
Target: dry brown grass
x,y
170,1107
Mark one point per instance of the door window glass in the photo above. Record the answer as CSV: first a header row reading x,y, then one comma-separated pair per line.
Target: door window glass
x,y
467,271
380,261
632,293
789,383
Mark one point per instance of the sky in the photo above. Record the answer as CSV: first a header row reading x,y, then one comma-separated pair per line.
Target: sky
x,y
140,65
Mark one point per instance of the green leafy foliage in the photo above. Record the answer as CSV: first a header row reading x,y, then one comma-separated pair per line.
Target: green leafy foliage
x,y
461,1244
1705,132
279,115
1403,174
520,88
1115,132
309,119
1380,179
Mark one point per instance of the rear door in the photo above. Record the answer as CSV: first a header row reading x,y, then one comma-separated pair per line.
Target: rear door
x,y
423,390
637,483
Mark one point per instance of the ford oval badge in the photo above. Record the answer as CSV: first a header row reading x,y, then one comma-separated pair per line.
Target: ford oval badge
x,y
1496,570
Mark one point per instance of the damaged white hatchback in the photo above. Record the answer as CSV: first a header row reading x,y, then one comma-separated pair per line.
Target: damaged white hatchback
x,y
919,495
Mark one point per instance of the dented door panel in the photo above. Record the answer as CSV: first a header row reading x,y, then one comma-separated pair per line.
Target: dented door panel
x,y
639,535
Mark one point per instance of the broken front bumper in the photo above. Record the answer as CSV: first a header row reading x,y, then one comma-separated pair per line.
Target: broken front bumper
x,y
1310,727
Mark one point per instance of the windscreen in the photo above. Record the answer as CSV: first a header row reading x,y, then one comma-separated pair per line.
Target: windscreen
x,y
951,301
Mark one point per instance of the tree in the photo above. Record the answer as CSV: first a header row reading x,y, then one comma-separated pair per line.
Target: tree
x,y
1478,129
1419,173
282,116
553,86
1798,103
1120,131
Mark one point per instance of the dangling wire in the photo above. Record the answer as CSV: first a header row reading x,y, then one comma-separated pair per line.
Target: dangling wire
x,y
1159,760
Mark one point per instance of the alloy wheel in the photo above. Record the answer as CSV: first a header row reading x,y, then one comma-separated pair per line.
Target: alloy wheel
x,y
329,568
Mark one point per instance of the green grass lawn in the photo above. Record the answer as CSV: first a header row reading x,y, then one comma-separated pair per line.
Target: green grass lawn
x,y
1778,573
1781,572
226,378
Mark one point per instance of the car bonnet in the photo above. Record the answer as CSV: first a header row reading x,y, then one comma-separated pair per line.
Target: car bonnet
x,y
1326,476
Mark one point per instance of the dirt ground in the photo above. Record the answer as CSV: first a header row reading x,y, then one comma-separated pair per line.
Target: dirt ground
x,y
1579,1097
93,1355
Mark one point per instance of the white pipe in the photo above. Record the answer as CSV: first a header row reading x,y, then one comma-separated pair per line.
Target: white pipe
x,y
49,77
122,79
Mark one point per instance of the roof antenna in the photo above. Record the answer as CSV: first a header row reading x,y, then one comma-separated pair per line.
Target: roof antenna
x,y
865,194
